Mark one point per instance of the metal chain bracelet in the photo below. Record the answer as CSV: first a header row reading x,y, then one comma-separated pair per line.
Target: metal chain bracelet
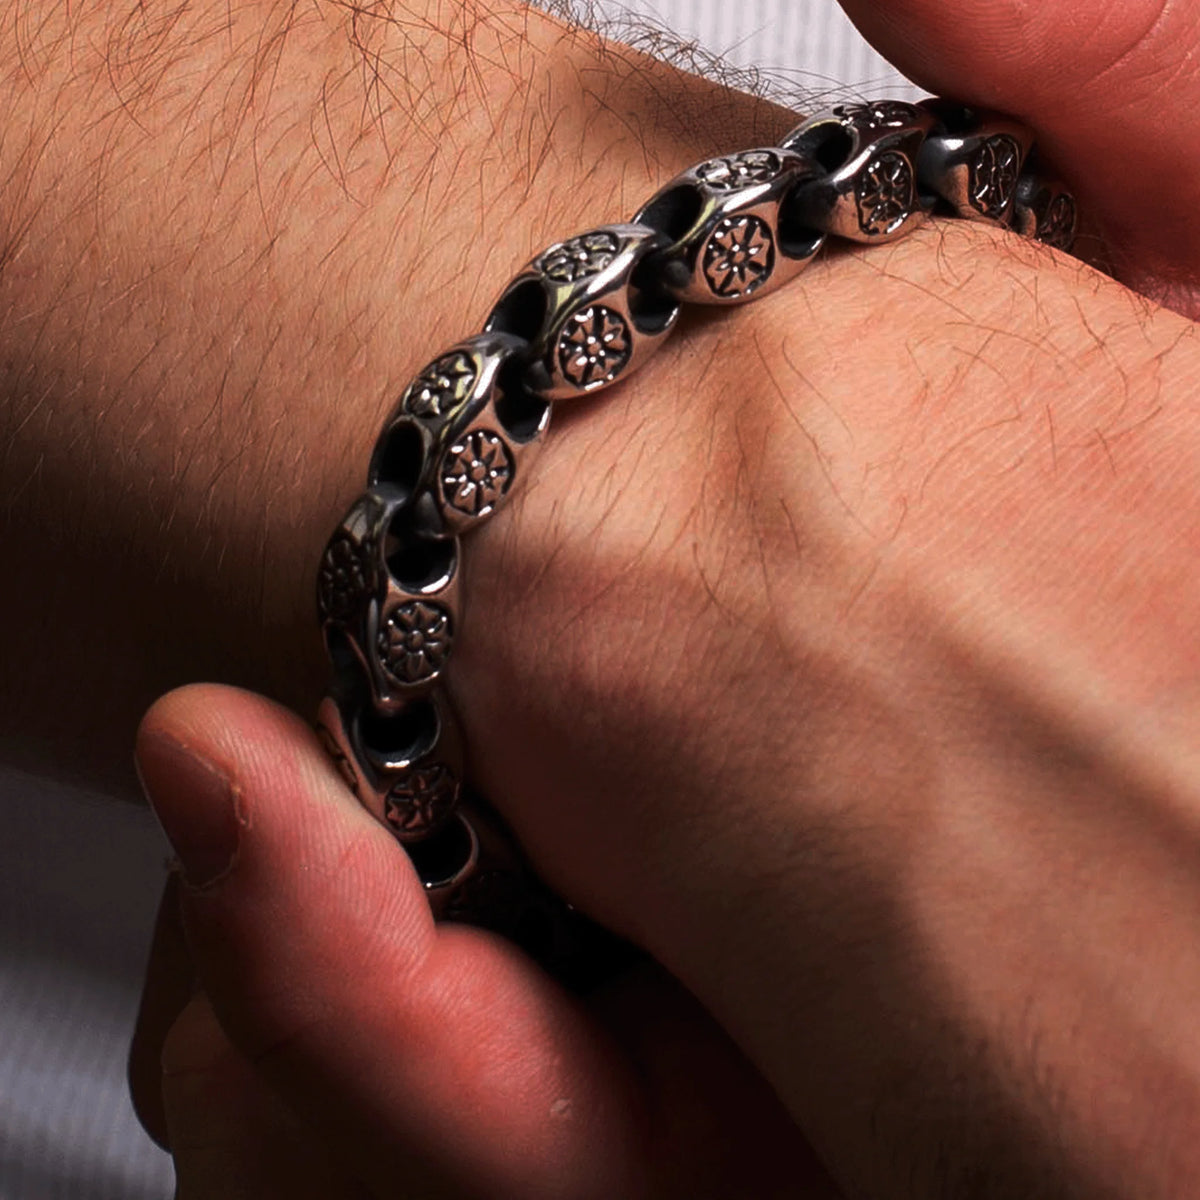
x,y
579,317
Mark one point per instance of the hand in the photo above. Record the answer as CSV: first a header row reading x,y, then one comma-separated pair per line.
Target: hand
x,y
377,1055
844,659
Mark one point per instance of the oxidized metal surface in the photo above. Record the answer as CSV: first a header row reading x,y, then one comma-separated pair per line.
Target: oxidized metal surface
x,y
1060,224
414,641
740,170
994,173
878,114
442,387
420,799
973,162
346,578
594,347
446,443
886,194
580,257
732,238
399,630
871,193
476,473
739,257
414,792
587,323
1046,212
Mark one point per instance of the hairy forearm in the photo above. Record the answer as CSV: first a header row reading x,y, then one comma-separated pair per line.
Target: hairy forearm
x,y
231,232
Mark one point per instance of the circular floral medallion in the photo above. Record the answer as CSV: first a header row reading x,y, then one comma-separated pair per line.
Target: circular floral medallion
x,y
886,194
739,170
594,347
994,175
883,114
414,642
739,257
579,258
442,386
343,580
476,473
421,799
1059,226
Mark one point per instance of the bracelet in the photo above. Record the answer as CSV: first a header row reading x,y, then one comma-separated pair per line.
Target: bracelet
x,y
579,317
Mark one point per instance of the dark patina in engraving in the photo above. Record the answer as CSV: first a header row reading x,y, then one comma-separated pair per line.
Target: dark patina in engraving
x,y
344,579
476,473
441,387
994,174
739,257
579,258
886,192
421,799
594,347
883,114
1059,226
739,170
414,642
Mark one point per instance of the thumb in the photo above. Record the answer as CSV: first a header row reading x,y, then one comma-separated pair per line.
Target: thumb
x,y
439,1058
1113,91
231,1137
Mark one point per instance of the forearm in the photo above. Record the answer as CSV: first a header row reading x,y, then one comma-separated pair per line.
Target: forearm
x,y
231,232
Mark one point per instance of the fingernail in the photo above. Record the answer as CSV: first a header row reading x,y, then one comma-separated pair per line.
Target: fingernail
x,y
194,803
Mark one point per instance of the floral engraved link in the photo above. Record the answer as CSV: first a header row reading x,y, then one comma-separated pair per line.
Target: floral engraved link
x,y
739,170
739,257
1058,229
595,347
886,192
344,582
883,114
442,386
994,175
415,642
579,258
421,799
476,473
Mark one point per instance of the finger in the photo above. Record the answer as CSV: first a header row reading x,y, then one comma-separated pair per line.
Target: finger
x,y
170,984
1113,90
232,1137
719,1129
441,1058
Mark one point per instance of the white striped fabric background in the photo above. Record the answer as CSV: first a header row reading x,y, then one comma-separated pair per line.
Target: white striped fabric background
x,y
79,881
809,43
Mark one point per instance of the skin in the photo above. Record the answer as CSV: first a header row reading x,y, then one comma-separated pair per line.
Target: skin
x,y
843,660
